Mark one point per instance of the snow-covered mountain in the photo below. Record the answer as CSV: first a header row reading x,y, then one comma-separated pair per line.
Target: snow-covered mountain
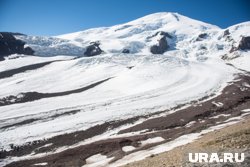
x,y
183,37
75,82
136,37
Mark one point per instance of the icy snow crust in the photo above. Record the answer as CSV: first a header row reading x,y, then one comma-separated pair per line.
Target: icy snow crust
x,y
140,83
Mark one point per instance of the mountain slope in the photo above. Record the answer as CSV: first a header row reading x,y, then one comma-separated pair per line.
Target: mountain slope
x,y
91,89
184,36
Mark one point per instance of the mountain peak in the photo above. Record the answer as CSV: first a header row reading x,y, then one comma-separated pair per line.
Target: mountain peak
x,y
170,17
158,16
169,29
147,25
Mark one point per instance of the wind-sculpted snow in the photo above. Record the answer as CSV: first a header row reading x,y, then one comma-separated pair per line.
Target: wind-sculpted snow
x,y
138,85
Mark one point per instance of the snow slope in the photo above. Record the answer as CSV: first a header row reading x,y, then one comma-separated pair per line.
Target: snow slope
x,y
156,82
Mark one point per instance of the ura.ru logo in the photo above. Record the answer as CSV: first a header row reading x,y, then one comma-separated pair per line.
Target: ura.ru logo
x,y
214,157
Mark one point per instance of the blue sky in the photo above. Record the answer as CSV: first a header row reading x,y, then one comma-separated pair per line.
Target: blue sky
x,y
54,17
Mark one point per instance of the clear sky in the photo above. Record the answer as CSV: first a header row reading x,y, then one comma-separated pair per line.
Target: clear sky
x,y
54,17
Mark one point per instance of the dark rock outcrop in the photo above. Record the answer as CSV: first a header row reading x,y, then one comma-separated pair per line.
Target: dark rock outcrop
x,y
244,43
125,51
32,96
10,45
93,49
1,58
233,48
203,48
161,47
165,34
226,33
202,36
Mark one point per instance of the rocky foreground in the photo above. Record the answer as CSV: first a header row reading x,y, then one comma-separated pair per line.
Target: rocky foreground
x,y
234,138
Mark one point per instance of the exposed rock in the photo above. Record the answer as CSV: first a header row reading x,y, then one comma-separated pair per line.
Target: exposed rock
x,y
232,49
230,56
93,49
1,58
130,67
203,48
125,51
165,34
219,46
244,43
28,51
33,96
227,36
202,36
10,45
226,33
161,47
224,57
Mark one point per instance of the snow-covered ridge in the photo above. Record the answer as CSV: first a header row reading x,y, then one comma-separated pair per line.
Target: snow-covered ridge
x,y
139,35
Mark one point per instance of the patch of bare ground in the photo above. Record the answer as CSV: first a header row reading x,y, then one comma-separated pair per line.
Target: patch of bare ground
x,y
234,138
32,96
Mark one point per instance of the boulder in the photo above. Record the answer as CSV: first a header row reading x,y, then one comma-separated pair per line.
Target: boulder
x,y
10,45
244,43
93,49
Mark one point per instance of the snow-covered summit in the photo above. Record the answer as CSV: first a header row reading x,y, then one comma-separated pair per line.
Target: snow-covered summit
x,y
179,33
147,25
